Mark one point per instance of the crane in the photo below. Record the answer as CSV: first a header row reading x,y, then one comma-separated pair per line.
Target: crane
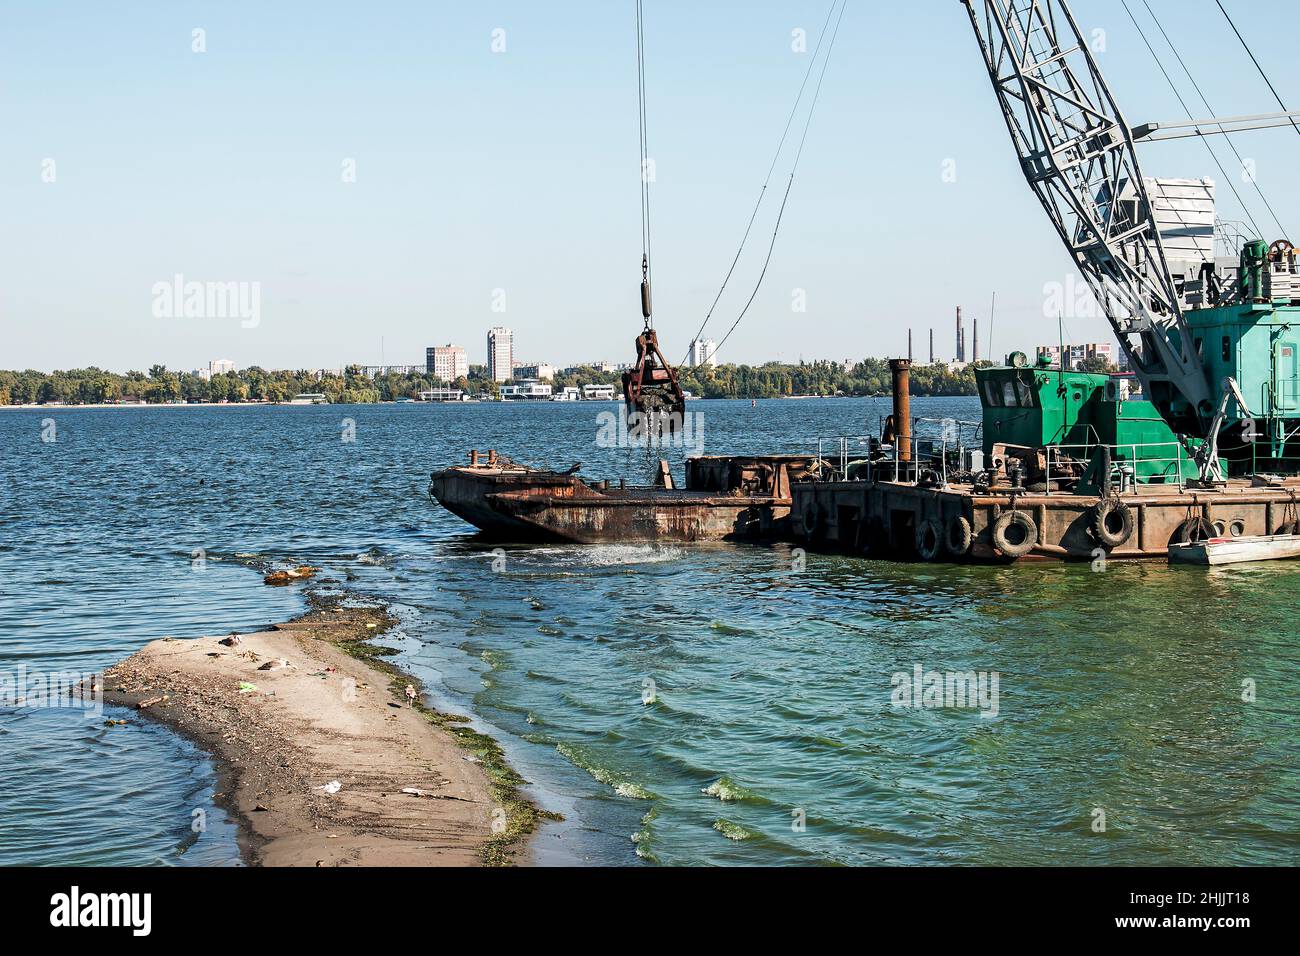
x,y
1080,159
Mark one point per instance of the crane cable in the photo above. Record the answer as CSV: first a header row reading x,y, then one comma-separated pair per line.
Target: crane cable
x,y
1183,103
812,108
1251,54
646,273
771,169
1209,109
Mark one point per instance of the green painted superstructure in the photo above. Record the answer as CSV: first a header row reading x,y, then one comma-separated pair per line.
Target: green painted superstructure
x,y
1040,407
1257,343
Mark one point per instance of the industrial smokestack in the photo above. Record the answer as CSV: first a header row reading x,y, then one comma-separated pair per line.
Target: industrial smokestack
x,y
909,345
960,351
975,340
932,346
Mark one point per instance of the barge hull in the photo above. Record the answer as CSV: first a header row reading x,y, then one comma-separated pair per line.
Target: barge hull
x,y
885,519
726,497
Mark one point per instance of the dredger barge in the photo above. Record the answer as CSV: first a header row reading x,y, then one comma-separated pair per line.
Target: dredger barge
x,y
1116,482
1063,464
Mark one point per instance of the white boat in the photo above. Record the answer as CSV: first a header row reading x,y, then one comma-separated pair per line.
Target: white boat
x,y
1215,551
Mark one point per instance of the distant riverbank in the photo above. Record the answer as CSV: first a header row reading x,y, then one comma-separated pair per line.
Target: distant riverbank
x,y
356,385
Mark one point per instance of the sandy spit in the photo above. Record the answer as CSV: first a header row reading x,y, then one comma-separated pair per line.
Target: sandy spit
x,y
313,760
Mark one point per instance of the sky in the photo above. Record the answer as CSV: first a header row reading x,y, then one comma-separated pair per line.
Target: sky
x,y
386,177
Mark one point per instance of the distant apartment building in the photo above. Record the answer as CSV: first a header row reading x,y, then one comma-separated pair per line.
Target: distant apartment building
x,y
220,367
1078,353
601,366
446,362
501,354
539,371
703,351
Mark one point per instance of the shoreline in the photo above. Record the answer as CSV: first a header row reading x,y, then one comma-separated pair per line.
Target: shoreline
x,y
338,712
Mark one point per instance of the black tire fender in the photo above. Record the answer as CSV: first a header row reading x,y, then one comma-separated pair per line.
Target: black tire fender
x,y
958,536
929,539
1105,515
1195,529
1003,534
812,521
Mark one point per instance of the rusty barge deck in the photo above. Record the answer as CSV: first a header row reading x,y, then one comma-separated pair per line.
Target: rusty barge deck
x,y
903,520
725,498
787,498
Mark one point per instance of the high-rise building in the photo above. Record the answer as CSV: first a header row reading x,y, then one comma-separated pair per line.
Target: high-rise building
x,y
703,351
501,354
446,362
220,367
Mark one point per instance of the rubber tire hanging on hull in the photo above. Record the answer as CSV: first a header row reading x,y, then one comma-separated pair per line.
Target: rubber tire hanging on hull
x,y
929,538
1004,523
862,536
1101,518
1195,529
958,536
812,522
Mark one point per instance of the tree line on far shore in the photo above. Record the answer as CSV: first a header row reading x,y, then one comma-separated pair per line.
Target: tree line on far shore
x,y
92,386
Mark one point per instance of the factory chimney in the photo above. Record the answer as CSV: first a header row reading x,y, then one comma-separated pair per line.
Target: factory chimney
x,y
931,345
975,340
961,345
909,345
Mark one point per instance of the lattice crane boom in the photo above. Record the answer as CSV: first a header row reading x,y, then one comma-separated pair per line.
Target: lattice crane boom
x,y
1078,156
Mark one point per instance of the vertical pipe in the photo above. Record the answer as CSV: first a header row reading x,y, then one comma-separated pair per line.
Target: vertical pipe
x,y
902,406
975,340
960,353
909,345
932,346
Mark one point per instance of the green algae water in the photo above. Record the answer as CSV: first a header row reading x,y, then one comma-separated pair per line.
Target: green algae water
x,y
679,705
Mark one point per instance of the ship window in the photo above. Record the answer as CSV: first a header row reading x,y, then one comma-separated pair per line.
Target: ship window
x,y
991,394
1227,349
1026,394
1009,394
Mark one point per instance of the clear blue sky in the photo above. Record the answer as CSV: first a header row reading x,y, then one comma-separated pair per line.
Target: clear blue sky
x,y
518,171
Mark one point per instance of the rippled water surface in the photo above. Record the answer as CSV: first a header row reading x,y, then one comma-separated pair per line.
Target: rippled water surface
x,y
711,704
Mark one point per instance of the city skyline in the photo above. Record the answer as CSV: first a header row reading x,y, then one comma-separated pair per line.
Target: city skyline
x,y
458,360
522,195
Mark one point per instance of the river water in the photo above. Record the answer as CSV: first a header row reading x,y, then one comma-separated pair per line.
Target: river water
x,y
720,704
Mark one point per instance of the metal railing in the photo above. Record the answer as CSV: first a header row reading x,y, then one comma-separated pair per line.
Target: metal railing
x,y
1128,479
842,444
951,435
